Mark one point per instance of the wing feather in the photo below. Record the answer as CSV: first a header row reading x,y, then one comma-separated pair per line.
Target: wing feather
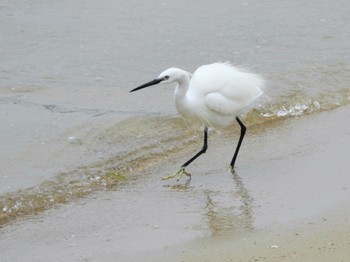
x,y
225,88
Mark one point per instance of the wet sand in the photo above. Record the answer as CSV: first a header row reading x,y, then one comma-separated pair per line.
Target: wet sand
x,y
324,240
287,202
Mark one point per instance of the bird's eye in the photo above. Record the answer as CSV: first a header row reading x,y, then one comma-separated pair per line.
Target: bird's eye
x,y
166,77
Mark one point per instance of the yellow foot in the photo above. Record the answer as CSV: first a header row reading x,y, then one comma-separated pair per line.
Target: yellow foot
x,y
178,173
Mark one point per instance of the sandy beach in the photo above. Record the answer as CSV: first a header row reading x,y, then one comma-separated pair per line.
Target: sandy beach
x,y
82,160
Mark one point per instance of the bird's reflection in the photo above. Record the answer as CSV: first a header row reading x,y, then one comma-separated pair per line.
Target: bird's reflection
x,y
227,207
246,200
231,211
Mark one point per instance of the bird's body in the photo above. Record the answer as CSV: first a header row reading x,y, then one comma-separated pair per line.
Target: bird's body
x,y
214,96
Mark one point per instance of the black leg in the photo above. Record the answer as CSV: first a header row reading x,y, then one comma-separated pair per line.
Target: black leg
x,y
202,151
243,129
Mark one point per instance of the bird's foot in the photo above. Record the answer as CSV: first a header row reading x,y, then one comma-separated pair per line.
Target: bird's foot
x,y
178,173
232,169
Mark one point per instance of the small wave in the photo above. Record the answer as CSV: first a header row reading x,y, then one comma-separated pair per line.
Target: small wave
x,y
297,104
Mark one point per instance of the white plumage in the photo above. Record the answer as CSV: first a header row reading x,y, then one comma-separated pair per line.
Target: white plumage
x,y
214,95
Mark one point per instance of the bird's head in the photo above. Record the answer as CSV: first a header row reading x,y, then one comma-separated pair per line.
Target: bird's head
x,y
168,76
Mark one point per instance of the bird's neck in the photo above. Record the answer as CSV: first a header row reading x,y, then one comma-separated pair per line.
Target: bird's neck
x,y
181,90
182,85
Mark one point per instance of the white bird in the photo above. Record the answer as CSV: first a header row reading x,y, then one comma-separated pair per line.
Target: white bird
x,y
214,95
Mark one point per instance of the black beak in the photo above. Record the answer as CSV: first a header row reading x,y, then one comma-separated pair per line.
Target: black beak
x,y
151,83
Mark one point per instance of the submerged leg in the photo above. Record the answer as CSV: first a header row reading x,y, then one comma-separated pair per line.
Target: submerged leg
x,y
243,129
182,171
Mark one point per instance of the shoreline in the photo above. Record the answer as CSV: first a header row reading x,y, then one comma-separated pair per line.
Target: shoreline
x,y
271,216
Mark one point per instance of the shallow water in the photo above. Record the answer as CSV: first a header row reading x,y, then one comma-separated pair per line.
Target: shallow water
x,y
71,131
130,146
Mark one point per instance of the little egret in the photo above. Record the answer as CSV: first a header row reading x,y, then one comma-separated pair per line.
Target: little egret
x,y
213,95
